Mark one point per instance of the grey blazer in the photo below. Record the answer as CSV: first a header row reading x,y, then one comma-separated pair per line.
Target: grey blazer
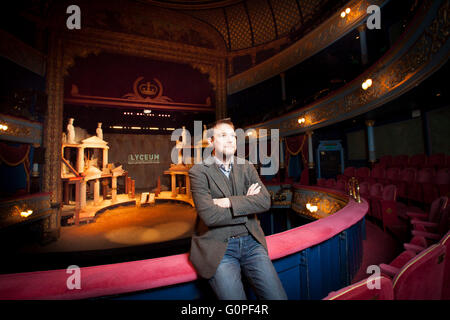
x,y
214,223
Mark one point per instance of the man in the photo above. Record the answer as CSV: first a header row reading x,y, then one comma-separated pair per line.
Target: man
x,y
228,237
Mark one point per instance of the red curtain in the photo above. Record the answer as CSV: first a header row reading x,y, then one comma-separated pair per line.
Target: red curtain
x,y
16,155
294,146
13,156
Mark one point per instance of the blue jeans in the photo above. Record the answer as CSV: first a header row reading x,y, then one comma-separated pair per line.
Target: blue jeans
x,y
246,253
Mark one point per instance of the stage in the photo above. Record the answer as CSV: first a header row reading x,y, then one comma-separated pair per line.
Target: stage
x,y
116,235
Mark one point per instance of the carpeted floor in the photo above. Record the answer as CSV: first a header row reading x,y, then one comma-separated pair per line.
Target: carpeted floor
x,y
379,247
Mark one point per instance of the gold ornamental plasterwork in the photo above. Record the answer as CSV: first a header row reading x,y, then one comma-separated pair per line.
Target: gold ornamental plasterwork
x,y
327,203
390,74
327,33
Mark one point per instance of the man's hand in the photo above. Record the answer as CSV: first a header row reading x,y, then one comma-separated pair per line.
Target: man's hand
x,y
225,202
254,189
222,202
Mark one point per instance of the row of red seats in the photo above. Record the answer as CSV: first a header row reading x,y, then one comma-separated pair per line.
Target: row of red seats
x,y
422,185
436,161
373,193
422,271
419,274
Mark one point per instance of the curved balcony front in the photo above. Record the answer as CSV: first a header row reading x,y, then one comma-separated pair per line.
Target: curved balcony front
x,y
311,261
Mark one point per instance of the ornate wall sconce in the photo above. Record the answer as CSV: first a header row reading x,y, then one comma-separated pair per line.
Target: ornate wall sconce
x,y
353,187
367,84
345,12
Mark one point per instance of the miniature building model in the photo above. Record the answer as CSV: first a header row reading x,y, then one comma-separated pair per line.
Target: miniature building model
x,y
91,164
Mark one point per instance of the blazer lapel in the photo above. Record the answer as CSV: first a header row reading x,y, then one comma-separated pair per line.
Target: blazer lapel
x,y
238,177
218,178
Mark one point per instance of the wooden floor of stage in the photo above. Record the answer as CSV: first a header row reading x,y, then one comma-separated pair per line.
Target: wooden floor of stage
x,y
126,226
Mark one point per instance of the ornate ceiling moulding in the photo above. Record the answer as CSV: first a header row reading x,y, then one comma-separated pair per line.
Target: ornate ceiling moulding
x,y
192,4
142,19
324,35
93,41
423,49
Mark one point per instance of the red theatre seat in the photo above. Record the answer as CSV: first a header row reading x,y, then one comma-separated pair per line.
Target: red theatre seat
x,y
420,243
385,161
442,182
330,183
417,160
423,185
364,190
377,175
347,174
385,207
376,288
446,283
407,178
375,193
400,161
421,277
341,185
362,174
436,208
436,161
426,228
392,176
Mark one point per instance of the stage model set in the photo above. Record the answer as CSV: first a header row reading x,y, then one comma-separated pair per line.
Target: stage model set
x,y
85,169
86,162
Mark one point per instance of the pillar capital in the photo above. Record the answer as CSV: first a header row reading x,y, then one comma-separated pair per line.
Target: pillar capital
x,y
370,123
309,133
362,27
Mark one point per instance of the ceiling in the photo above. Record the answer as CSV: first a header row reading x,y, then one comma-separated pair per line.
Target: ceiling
x,y
245,24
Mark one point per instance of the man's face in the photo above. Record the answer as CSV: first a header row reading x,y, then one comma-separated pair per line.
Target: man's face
x,y
224,141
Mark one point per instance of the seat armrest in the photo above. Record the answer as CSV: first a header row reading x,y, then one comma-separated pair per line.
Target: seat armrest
x,y
413,247
416,215
428,235
389,270
424,223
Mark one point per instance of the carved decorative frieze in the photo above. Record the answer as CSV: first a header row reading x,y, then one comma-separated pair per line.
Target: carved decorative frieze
x,y
421,51
20,130
327,33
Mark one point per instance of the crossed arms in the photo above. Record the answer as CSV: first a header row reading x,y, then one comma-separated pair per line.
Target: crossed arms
x,y
232,210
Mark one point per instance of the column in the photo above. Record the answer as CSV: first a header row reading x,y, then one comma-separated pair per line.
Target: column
x,y
96,192
82,195
230,66
105,158
80,159
311,170
283,86
114,189
77,201
310,150
371,141
363,43
174,184
282,168
188,186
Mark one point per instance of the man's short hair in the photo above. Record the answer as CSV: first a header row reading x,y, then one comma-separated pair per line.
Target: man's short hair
x,y
223,121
